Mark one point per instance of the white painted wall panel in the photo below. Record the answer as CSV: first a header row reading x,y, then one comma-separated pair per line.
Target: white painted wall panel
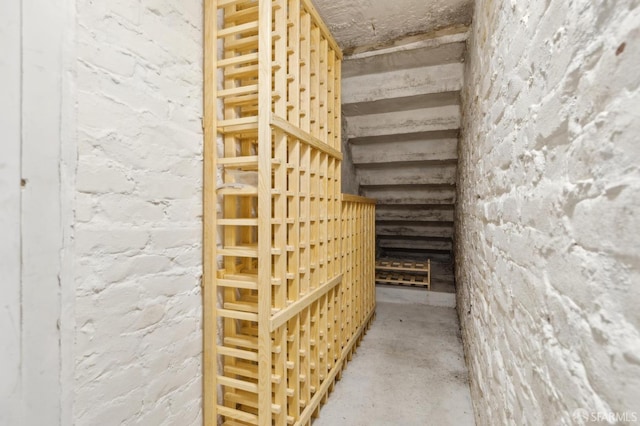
x,y
42,221
10,312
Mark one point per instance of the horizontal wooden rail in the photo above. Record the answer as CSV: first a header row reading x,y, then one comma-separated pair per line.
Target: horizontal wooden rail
x,y
282,317
357,199
305,137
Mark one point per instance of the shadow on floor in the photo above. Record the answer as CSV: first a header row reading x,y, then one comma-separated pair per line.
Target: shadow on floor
x,y
409,370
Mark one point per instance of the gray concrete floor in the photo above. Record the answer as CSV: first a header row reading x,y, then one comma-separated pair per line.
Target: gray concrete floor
x,y
408,370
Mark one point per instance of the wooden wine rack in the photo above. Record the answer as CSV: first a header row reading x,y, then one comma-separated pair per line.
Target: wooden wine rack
x,y
288,282
404,273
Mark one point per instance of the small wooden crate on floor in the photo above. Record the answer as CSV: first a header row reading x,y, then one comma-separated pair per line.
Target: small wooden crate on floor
x,y
405,273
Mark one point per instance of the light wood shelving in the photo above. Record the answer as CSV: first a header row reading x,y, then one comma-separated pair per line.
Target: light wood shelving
x,y
404,272
288,282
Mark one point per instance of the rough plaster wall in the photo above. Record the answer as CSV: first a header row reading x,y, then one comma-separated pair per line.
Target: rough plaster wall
x,y
548,259
138,213
349,179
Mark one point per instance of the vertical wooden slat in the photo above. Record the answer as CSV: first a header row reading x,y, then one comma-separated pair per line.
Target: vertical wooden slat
x,y
280,55
345,276
297,352
210,396
307,331
314,82
322,219
264,211
281,294
293,71
322,326
305,71
322,90
315,347
331,87
280,266
230,233
337,115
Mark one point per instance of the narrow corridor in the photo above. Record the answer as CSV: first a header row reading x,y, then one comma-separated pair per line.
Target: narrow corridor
x,y
194,196
409,370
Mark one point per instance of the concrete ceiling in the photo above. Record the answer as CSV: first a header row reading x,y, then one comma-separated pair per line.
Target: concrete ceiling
x,y
370,23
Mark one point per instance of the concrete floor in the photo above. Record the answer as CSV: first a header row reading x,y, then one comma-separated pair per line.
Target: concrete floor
x,y
409,370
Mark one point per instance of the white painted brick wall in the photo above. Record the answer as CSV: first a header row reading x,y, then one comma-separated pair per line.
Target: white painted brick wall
x,y
138,213
548,246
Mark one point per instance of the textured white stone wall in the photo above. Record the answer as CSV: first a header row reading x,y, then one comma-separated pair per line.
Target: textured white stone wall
x,y
548,227
138,213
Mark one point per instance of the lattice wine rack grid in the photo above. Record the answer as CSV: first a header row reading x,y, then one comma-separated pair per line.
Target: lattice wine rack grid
x,y
288,280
